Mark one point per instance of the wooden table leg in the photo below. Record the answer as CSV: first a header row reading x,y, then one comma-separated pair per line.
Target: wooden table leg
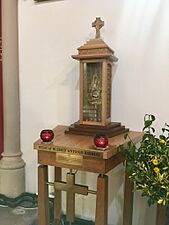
x,y
161,215
43,197
128,201
102,200
58,197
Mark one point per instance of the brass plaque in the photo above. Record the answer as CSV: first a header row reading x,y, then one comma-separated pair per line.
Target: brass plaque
x,y
69,159
70,151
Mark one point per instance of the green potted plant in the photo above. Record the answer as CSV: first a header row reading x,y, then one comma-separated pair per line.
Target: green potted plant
x,y
148,164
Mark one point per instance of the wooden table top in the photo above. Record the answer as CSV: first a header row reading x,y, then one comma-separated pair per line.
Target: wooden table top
x,y
83,145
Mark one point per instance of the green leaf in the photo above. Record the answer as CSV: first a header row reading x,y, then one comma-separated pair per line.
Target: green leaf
x,y
152,117
149,117
148,123
152,128
126,136
166,129
163,130
162,137
150,201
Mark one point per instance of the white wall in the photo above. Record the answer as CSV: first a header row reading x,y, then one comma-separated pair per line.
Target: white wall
x,y
50,33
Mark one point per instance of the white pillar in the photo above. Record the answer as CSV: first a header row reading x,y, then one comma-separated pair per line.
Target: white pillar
x,y
12,166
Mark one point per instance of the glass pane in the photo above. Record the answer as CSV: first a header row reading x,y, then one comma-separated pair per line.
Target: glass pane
x,y
92,92
108,91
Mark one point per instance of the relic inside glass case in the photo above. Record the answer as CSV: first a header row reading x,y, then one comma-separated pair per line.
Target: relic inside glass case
x,y
92,92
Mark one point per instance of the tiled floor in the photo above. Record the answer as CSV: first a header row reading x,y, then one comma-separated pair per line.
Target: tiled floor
x,y
18,216
28,216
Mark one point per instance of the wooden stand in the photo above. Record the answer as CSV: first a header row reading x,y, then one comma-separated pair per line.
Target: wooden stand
x,y
58,196
77,152
128,201
102,200
43,199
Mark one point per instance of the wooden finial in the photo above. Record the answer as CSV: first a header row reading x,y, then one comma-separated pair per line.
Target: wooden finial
x,y
98,24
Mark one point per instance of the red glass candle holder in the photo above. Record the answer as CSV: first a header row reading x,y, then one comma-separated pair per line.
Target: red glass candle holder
x,y
101,142
47,135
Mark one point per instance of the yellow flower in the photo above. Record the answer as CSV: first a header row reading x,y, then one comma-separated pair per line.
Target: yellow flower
x,y
155,162
162,141
156,170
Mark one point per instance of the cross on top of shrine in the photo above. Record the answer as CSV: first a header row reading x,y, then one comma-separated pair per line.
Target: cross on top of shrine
x,y
98,24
